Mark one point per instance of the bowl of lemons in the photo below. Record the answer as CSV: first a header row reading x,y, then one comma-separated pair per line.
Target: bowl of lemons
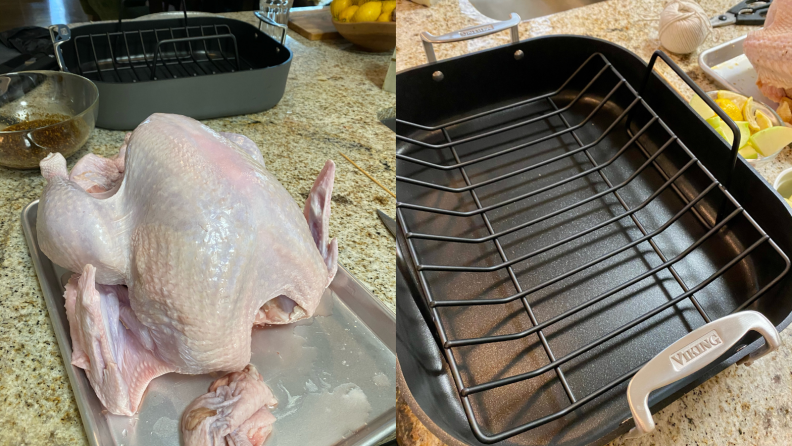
x,y
763,134
370,24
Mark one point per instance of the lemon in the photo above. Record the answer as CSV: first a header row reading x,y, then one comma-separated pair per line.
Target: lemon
x,y
388,6
368,12
732,96
384,17
730,108
347,14
748,114
762,120
363,2
338,6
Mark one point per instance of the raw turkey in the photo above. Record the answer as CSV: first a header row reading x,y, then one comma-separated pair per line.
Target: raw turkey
x,y
770,51
234,412
184,242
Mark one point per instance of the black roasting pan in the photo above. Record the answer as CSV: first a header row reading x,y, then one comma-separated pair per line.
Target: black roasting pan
x,y
432,96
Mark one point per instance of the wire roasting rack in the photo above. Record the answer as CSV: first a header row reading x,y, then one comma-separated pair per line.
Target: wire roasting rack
x,y
471,173
158,53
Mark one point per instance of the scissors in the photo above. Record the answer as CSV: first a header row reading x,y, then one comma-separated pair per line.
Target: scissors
x,y
749,12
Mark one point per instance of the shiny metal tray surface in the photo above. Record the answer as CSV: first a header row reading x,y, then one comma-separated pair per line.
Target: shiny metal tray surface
x,y
727,65
317,369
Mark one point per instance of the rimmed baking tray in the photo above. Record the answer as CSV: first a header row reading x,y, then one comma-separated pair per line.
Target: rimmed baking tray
x,y
727,65
349,347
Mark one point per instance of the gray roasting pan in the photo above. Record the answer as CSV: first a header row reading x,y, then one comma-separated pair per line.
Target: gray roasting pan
x,y
202,67
317,370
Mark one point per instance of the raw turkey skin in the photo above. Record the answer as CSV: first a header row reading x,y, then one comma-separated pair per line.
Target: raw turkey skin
x,y
196,241
770,51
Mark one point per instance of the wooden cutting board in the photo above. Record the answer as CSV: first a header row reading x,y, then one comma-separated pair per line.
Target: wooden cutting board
x,y
313,24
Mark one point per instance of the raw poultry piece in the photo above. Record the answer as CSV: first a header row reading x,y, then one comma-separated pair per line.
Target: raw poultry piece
x,y
770,51
184,241
234,412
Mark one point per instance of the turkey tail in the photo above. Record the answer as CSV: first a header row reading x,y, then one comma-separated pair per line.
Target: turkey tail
x,y
317,213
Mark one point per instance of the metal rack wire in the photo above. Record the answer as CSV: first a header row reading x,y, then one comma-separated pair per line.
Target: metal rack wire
x,y
160,53
621,123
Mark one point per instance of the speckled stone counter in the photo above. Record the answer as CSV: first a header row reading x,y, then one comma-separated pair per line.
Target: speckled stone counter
x,y
741,405
331,103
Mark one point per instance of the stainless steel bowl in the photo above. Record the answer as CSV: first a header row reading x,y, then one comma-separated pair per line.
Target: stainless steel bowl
x,y
42,112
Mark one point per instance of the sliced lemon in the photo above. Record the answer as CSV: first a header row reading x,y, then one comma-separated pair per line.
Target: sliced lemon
x,y
730,108
748,114
763,120
732,96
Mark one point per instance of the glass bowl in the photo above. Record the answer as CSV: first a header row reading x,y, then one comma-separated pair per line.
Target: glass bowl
x,y
43,112
774,118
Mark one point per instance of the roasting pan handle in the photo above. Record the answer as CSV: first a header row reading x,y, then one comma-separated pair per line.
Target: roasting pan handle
x,y
263,18
696,89
59,34
692,353
471,33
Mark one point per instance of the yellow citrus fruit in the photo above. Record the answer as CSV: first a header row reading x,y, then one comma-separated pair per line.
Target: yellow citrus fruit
x,y
363,2
730,108
388,6
749,115
732,96
347,14
338,6
763,120
384,17
368,12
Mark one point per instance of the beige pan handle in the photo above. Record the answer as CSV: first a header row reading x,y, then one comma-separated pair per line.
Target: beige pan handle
x,y
470,33
693,352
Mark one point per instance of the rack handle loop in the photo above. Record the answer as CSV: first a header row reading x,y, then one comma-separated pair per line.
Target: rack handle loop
x,y
696,89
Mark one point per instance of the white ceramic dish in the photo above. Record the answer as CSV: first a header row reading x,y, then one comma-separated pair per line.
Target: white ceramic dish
x,y
783,183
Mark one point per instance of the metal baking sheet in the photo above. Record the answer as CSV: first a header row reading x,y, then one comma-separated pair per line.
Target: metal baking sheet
x,y
318,370
727,65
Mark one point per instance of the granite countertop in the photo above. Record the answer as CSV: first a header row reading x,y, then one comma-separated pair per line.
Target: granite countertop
x,y
330,105
741,405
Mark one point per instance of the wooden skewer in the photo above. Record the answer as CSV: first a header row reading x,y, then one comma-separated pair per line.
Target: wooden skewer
x,y
370,177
